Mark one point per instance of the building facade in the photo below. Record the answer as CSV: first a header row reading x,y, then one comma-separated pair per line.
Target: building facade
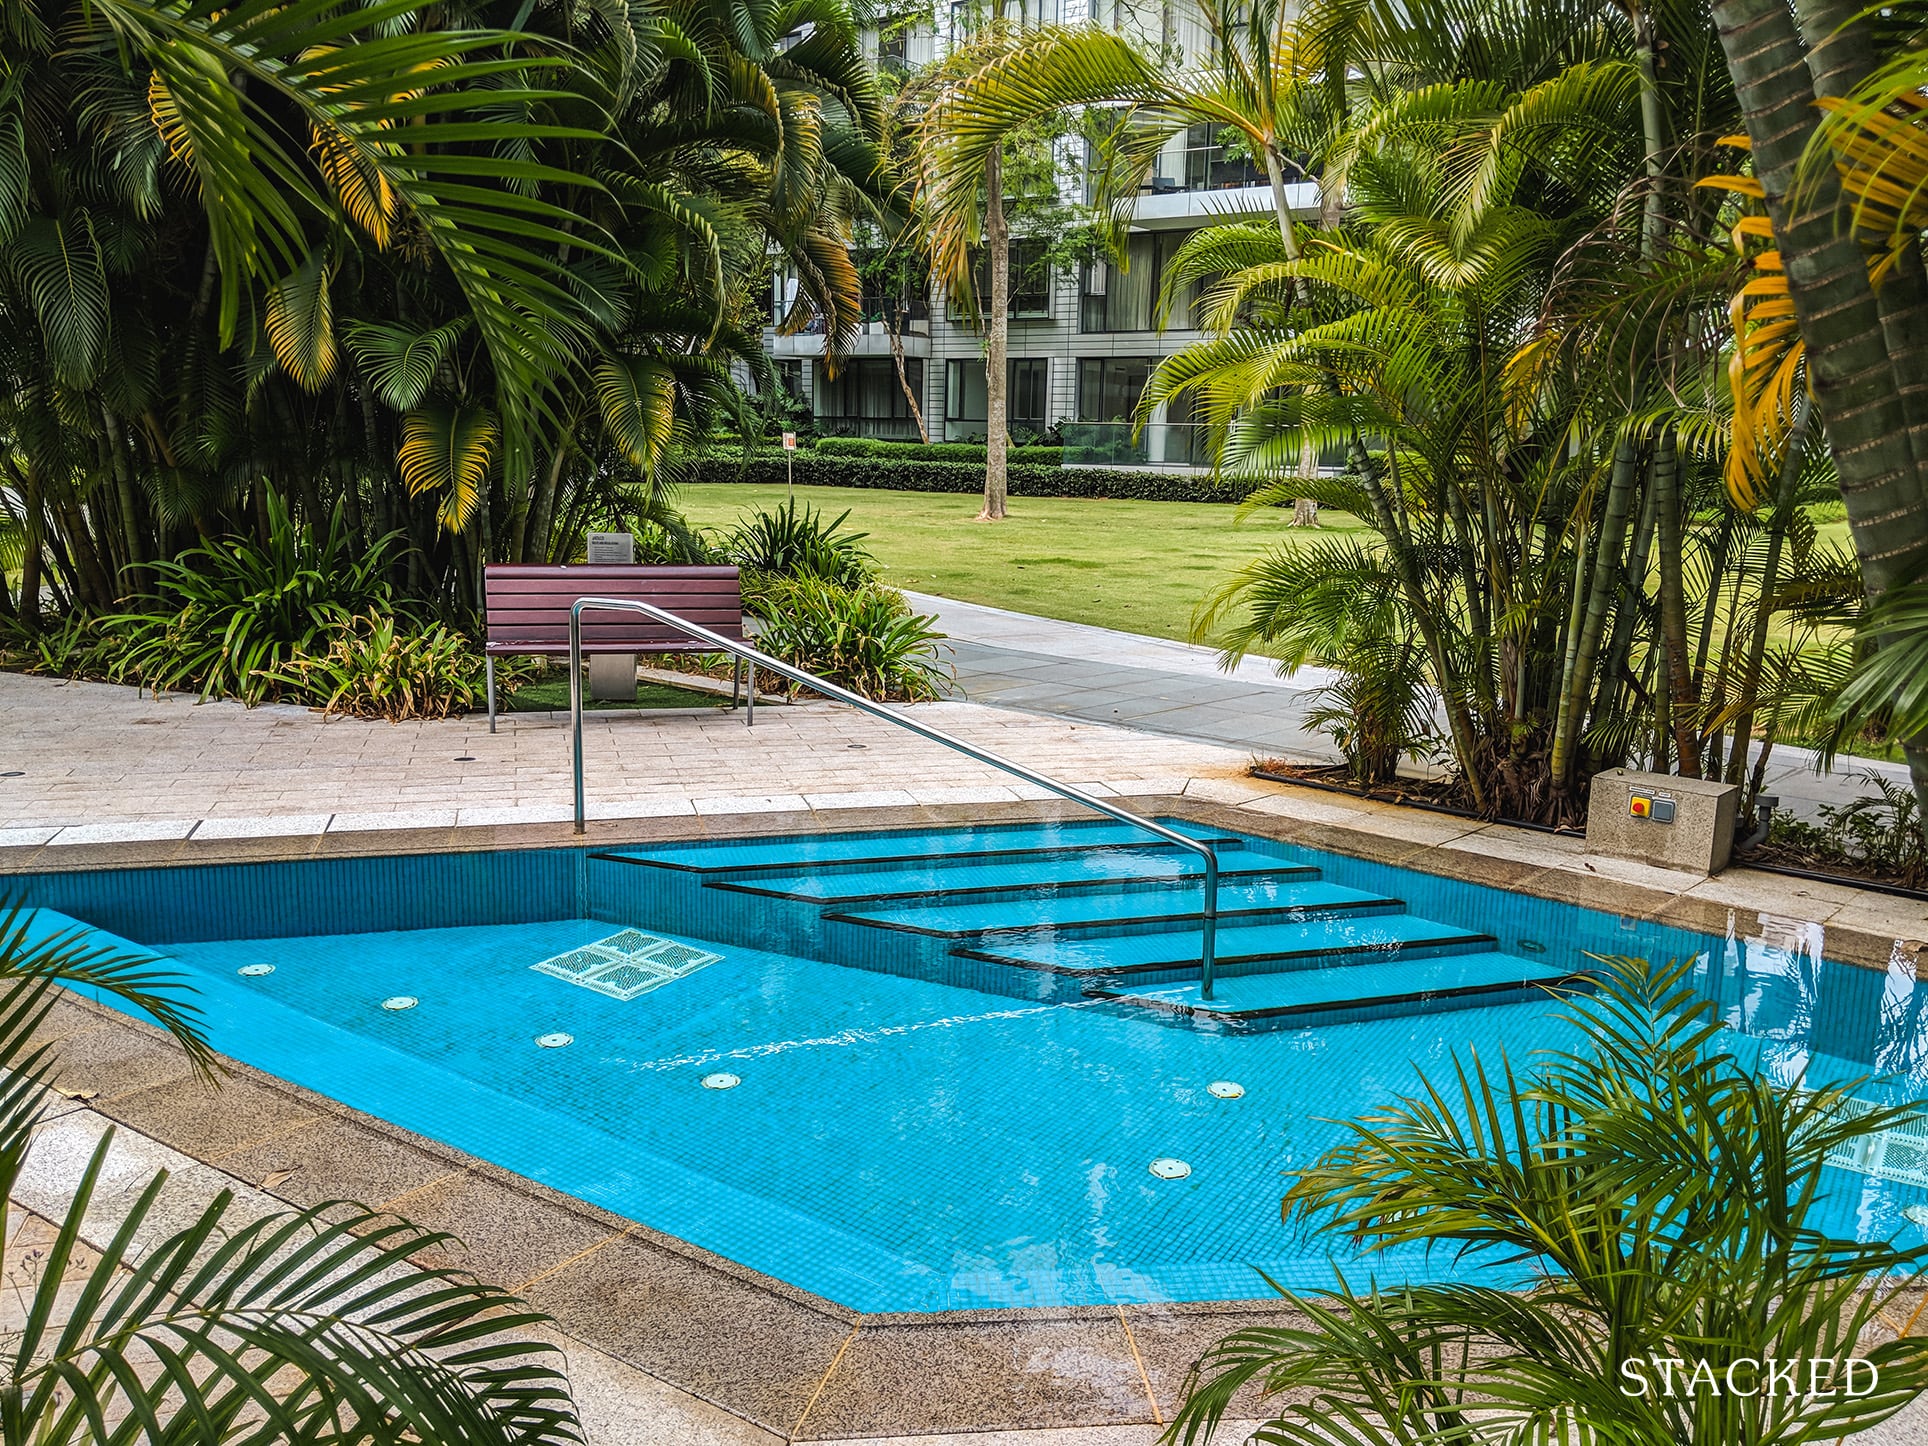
x,y
1084,338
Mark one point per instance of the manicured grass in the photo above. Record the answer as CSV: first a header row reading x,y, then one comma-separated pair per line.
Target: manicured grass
x,y
1138,566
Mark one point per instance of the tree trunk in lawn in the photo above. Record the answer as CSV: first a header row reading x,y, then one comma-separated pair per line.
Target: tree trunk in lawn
x,y
1856,388
997,246
895,327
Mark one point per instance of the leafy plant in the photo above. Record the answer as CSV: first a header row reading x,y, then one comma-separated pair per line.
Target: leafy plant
x,y
795,542
308,1325
1379,711
377,667
233,615
1662,1198
864,638
1881,833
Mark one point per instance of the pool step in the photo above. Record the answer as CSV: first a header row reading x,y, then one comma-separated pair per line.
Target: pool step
x,y
1275,946
1269,891
1342,994
809,853
1055,872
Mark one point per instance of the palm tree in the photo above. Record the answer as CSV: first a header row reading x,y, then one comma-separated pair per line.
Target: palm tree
x,y
1865,361
489,337
1661,1199
311,1325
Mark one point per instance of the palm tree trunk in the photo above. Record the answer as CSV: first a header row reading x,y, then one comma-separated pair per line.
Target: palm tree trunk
x,y
1406,566
32,523
1678,684
1750,680
1854,382
1577,686
997,329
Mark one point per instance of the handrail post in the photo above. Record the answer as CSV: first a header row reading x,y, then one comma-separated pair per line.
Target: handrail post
x,y
1208,939
575,704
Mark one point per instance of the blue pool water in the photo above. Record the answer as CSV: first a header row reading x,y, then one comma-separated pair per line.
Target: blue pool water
x,y
958,1052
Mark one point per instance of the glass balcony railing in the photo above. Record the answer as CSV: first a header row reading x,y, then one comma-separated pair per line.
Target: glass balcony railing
x,y
1112,444
889,429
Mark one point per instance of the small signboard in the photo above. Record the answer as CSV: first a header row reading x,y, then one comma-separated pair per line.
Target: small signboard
x,y
612,676
789,441
611,547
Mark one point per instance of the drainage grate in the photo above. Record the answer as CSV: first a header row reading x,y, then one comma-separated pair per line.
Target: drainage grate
x,y
627,964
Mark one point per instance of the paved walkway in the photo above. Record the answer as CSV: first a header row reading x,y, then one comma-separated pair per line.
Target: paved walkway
x,y
91,763
1072,670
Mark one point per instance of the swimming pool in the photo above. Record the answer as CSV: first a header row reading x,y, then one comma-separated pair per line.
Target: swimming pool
x,y
935,1069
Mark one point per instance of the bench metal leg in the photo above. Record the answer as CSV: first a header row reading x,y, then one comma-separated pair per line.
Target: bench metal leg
x,y
488,666
749,691
736,683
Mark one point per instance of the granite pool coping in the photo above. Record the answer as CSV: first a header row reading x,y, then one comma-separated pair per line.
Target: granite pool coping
x,y
795,1364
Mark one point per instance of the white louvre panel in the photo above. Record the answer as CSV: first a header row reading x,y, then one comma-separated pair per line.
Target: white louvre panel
x,y
627,964
1899,1153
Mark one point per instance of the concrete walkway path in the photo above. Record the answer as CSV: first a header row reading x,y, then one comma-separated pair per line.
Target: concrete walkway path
x,y
1154,685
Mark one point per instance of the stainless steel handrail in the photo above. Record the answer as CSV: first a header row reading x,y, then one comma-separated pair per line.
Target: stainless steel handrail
x,y
1208,953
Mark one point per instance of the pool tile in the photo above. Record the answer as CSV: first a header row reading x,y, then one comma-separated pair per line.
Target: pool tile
x,y
1032,1373
745,1349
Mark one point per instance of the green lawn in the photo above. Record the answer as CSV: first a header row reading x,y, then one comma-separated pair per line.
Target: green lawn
x,y
1138,566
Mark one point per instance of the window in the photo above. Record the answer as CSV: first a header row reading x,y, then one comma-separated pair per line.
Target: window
x,y
790,378
1125,298
1109,386
865,398
1030,279
893,51
1027,394
1030,283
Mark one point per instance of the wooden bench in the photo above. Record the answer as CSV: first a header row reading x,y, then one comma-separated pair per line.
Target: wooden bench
x,y
527,607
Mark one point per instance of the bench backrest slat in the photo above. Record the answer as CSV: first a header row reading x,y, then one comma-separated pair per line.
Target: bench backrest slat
x,y
528,607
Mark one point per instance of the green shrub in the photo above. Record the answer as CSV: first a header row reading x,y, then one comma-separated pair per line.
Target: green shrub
x,y
1882,832
376,668
792,541
894,475
863,638
78,647
232,615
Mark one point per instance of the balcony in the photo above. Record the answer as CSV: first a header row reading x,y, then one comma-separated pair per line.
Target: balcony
x,y
1112,444
872,339
888,429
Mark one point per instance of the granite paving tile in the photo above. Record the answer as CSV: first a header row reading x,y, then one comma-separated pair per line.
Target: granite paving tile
x,y
1038,1370
748,1350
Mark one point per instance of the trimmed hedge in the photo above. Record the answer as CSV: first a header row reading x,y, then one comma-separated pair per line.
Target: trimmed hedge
x,y
929,452
1026,480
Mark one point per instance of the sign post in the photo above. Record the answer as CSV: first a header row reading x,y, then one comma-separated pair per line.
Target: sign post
x,y
612,676
790,463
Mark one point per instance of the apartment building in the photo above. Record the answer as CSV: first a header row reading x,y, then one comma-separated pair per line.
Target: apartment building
x,y
1083,339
